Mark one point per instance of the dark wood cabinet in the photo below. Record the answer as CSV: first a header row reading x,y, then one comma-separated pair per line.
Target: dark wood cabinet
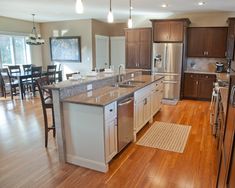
x,y
190,85
169,30
138,48
198,86
207,42
230,39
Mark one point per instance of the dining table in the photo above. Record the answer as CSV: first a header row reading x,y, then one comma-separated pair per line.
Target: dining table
x,y
26,75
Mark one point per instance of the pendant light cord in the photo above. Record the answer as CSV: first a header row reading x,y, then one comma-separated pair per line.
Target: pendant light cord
x,y
130,10
110,5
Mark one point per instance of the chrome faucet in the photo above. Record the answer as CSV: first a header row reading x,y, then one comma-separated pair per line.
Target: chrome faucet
x,y
119,73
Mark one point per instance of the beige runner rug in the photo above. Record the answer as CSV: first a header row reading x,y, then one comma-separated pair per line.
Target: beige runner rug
x,y
166,136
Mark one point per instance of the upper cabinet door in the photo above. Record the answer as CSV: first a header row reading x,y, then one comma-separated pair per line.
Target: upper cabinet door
x,y
138,48
161,31
132,36
176,31
207,42
216,42
196,42
145,47
169,30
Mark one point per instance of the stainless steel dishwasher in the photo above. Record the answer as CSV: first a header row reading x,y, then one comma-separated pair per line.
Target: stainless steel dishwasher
x,y
125,121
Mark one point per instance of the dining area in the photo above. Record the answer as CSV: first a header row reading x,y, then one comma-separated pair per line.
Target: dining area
x,y
20,80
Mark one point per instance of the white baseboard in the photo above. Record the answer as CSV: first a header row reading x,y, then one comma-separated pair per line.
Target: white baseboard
x,y
94,165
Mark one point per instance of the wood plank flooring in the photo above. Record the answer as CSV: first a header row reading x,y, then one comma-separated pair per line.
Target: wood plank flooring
x,y
24,162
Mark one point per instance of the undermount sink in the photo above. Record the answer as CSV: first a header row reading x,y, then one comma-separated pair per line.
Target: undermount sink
x,y
133,82
123,85
128,84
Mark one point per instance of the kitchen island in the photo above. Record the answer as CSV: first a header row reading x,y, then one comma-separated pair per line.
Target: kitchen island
x,y
86,115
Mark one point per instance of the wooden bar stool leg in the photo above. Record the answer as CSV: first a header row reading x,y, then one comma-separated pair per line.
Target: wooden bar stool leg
x,y
46,126
53,121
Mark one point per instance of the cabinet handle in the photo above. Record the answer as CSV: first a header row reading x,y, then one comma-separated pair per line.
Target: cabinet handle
x,y
145,101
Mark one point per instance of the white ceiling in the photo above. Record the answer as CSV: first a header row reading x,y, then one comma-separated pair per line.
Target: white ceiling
x,y
57,10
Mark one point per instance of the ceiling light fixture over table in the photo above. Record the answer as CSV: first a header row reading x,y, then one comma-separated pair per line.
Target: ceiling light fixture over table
x,y
110,14
34,38
130,22
79,7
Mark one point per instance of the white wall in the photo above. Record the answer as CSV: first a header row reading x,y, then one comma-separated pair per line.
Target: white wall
x,y
14,26
69,28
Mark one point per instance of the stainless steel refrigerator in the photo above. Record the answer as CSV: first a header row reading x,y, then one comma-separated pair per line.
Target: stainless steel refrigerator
x,y
167,61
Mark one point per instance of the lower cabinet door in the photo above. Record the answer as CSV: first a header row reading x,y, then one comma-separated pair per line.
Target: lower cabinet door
x,y
110,139
147,109
139,115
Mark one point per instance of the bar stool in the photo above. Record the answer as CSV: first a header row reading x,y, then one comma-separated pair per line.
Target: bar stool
x,y
46,100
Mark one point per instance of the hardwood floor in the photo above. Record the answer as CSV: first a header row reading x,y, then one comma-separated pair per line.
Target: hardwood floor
x,y
24,162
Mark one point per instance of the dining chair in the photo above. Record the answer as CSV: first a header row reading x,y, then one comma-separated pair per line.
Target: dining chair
x,y
9,85
27,68
14,69
36,72
46,101
51,73
58,76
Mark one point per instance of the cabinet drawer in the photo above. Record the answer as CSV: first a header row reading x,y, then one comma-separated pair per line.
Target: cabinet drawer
x,y
207,76
142,93
191,75
111,111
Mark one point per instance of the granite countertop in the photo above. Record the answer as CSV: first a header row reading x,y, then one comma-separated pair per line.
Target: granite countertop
x,y
220,76
88,79
108,94
199,72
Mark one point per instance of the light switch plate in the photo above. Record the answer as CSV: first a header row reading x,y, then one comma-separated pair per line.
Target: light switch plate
x,y
89,87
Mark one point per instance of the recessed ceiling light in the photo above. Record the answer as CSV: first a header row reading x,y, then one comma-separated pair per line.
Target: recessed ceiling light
x,y
164,5
201,3
132,8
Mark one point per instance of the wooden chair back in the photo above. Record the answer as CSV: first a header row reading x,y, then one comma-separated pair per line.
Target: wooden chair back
x,y
14,69
27,68
51,73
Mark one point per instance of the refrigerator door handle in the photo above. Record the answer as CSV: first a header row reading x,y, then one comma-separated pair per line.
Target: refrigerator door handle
x,y
166,58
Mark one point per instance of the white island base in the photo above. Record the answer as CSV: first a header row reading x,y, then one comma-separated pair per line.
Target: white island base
x,y
90,135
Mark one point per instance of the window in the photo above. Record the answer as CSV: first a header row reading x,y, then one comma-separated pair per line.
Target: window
x,y
14,51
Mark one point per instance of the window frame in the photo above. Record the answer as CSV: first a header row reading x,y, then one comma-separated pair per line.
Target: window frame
x,y
27,49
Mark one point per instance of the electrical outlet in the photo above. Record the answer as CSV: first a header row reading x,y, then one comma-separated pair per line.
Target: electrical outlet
x,y
89,87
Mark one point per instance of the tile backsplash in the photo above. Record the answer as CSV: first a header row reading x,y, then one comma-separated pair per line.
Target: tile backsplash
x,y
203,64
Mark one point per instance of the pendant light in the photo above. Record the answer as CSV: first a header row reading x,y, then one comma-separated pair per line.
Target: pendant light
x,y
79,7
130,23
110,14
34,38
